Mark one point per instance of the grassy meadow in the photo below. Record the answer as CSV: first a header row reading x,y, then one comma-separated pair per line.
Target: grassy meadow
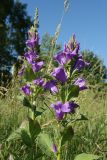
x,y
90,135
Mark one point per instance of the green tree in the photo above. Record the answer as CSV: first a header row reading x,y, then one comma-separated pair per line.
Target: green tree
x,y
97,72
46,44
14,24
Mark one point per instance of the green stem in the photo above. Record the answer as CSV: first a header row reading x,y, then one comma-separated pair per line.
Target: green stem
x,y
59,157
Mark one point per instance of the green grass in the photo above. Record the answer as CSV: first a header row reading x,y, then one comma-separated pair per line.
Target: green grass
x,y
90,136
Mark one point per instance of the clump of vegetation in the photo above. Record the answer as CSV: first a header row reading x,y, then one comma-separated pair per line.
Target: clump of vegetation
x,y
50,114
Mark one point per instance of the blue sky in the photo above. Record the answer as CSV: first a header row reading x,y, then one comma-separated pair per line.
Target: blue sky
x,y
86,18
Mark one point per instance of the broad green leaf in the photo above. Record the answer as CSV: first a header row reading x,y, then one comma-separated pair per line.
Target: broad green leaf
x,y
45,143
67,135
85,156
73,91
26,103
16,135
34,128
26,138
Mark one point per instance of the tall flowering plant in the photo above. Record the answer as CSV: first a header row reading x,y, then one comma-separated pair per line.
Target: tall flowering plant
x,y
50,88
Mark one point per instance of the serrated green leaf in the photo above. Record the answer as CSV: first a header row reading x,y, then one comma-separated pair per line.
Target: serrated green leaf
x,y
67,135
73,91
85,156
34,128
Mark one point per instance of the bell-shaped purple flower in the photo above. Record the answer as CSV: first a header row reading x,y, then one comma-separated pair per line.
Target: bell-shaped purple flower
x,y
31,56
36,66
62,109
60,58
67,54
58,110
51,85
80,63
72,45
33,41
26,89
39,81
54,148
60,74
81,83
69,107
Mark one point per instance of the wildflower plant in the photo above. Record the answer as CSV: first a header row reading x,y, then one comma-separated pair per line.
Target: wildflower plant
x,y
49,86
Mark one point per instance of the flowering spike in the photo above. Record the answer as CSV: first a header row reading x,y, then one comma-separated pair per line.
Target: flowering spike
x,y
36,20
66,5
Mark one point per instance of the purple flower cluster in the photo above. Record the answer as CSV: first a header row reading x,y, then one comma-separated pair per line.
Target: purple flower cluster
x,y
59,74
32,56
61,109
49,85
33,41
70,51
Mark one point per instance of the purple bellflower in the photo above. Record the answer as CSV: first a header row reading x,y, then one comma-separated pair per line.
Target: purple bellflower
x,y
54,148
69,107
61,109
65,56
26,89
36,66
60,58
51,85
33,41
31,56
80,63
58,110
70,51
81,83
60,74
39,81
